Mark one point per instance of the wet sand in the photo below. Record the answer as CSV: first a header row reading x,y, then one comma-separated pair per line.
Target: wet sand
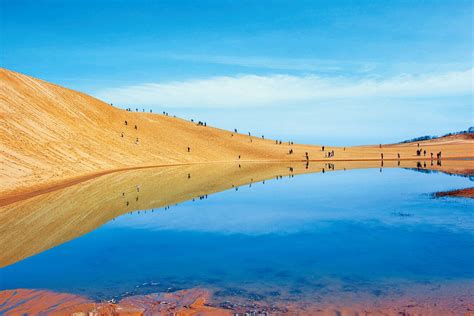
x,y
198,301
34,302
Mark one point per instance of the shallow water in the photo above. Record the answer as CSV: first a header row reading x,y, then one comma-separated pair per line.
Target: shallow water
x,y
310,237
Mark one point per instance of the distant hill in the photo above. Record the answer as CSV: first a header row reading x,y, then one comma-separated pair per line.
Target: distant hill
x,y
470,130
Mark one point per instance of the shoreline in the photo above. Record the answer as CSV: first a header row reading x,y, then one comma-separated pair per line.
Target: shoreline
x,y
19,194
202,301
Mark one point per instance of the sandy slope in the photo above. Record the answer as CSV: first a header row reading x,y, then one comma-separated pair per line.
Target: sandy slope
x,y
49,134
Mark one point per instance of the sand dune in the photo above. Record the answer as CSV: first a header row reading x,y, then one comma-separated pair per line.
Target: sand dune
x,y
50,134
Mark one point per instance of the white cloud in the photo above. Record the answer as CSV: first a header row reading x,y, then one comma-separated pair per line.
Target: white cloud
x,y
257,90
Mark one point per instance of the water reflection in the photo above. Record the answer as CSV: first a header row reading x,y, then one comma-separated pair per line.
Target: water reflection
x,y
31,226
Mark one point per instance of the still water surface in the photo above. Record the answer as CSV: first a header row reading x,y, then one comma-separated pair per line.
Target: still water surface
x,y
303,237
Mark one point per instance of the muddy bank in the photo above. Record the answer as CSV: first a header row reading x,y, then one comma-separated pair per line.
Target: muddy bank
x,y
466,193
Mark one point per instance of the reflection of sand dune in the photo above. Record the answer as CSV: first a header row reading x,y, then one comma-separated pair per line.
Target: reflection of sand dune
x,y
49,134
36,224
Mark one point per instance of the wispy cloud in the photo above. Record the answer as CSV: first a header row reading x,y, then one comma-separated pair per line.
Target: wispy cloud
x,y
272,90
318,65
289,64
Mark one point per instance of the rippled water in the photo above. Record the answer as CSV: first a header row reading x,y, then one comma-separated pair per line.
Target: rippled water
x,y
304,237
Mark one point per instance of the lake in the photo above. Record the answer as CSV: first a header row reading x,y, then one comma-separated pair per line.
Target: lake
x,y
288,234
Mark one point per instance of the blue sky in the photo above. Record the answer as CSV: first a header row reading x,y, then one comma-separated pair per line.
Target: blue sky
x,y
335,72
